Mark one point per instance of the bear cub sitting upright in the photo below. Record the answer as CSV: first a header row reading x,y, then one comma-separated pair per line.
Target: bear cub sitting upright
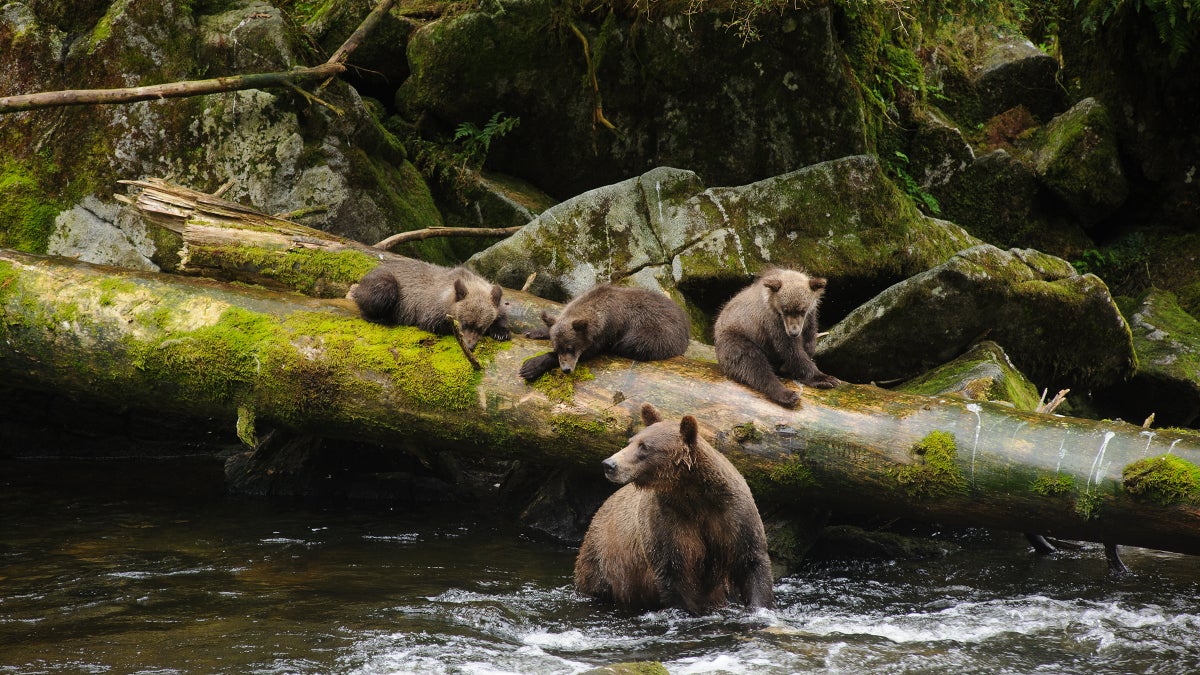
x,y
771,326
406,292
635,323
683,531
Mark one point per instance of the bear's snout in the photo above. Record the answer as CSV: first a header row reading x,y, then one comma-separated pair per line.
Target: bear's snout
x,y
610,469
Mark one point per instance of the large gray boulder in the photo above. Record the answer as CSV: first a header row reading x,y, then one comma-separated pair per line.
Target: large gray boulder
x,y
1060,328
842,219
680,91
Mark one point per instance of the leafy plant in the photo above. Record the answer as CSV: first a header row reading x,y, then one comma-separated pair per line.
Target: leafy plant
x,y
475,141
1177,22
897,168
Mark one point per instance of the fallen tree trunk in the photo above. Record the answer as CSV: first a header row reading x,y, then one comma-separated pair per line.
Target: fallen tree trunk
x,y
204,348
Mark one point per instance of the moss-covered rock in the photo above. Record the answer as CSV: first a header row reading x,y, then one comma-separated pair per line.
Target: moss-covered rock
x,y
983,373
997,198
280,152
1167,383
1000,69
1061,328
1079,162
681,90
842,219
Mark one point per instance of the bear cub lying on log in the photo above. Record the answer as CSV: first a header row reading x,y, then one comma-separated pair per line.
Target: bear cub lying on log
x,y
635,323
771,326
406,292
683,531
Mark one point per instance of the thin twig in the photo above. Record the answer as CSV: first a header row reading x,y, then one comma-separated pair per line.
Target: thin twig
x,y
462,343
431,232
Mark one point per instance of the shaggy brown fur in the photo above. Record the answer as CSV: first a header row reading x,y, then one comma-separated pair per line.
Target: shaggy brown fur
x,y
682,532
410,292
769,327
631,322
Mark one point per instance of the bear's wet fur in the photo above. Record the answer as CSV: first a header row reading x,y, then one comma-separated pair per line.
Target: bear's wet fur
x,y
635,323
770,327
406,292
683,531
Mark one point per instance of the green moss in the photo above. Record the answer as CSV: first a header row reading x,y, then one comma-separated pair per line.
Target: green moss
x,y
1088,505
934,473
246,426
430,370
110,287
747,432
559,386
1054,485
308,271
214,363
792,475
26,215
569,426
1163,480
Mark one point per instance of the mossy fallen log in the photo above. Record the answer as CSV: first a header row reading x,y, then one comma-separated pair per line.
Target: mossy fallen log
x,y
205,348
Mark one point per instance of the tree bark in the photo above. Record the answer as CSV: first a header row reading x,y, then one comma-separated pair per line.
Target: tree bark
x,y
203,348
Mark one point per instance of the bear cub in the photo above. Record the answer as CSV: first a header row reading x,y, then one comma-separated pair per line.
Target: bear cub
x,y
771,327
635,323
406,292
683,531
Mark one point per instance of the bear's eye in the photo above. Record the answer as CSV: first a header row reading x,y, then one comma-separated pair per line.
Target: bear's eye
x,y
642,451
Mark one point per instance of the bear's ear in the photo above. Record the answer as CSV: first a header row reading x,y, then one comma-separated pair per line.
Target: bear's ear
x,y
650,414
773,283
497,293
817,283
460,290
580,325
688,429
547,319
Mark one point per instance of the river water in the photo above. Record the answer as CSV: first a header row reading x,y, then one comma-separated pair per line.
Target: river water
x,y
108,569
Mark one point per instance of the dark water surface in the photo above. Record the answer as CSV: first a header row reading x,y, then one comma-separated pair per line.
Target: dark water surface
x,y
107,569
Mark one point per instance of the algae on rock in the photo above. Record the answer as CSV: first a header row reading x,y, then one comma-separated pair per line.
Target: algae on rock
x,y
1033,304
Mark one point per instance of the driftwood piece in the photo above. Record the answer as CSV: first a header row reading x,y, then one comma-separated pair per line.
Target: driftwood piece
x,y
206,349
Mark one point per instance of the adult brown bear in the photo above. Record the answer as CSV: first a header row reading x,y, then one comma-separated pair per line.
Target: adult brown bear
x,y
682,532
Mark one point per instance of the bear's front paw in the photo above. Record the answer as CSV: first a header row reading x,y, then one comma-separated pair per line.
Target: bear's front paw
x,y
538,334
823,381
537,366
788,398
501,334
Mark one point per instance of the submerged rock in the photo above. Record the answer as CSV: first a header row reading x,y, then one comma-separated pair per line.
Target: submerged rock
x,y
1061,328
